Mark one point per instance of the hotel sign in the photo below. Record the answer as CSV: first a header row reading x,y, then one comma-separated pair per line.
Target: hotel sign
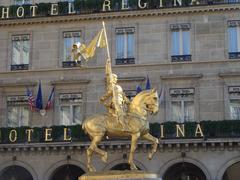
x,y
66,134
89,6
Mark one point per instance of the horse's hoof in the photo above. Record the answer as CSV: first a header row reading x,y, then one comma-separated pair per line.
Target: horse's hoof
x,y
104,158
133,167
150,156
91,169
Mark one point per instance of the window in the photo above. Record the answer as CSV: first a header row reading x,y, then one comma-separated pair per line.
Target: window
x,y
20,52
180,42
182,105
234,39
69,38
21,2
18,111
234,102
71,109
125,46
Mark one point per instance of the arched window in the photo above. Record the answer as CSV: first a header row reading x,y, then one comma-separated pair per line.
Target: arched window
x,y
232,173
15,173
67,172
184,171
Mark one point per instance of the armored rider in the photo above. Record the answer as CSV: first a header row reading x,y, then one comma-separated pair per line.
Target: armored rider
x,y
117,103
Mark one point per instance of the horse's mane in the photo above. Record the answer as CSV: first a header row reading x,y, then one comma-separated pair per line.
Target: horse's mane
x,y
140,96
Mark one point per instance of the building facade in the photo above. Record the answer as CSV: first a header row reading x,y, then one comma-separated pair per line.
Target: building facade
x,y
190,51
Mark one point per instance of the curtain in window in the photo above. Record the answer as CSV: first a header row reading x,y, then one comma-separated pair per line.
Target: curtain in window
x,y
77,114
120,46
176,111
25,51
186,42
235,109
232,39
24,116
175,43
16,54
12,119
65,115
130,45
18,116
188,111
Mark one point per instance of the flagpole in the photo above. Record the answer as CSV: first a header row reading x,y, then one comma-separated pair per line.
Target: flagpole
x,y
105,33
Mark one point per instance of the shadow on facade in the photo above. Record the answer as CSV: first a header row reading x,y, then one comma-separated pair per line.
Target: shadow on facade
x,y
232,173
184,171
122,167
15,173
67,172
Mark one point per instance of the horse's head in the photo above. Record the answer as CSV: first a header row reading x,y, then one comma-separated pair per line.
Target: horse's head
x,y
151,101
145,101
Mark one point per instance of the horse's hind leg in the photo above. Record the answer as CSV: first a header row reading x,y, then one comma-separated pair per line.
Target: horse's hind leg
x,y
155,142
93,148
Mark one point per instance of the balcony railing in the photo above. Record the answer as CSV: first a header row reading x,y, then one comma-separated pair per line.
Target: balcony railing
x,y
69,64
125,61
181,58
234,55
16,67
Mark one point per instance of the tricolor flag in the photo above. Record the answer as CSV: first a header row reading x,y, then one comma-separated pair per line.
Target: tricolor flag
x,y
39,101
50,100
31,100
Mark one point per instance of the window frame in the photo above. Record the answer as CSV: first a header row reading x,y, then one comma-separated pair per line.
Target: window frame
x,y
126,59
179,29
233,24
71,105
18,102
182,97
14,37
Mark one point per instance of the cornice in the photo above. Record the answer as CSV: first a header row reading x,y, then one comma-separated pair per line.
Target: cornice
x,y
177,145
121,14
181,76
67,82
3,84
229,74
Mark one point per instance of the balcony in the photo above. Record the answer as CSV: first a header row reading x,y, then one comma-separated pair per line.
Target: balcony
x,y
69,64
234,55
16,67
181,58
124,61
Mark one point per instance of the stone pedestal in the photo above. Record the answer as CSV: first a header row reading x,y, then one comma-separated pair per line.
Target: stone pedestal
x,y
120,175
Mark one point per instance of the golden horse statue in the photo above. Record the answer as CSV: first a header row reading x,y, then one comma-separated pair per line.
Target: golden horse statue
x,y
101,125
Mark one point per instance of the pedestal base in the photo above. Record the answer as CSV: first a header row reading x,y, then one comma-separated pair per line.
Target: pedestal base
x,y
120,175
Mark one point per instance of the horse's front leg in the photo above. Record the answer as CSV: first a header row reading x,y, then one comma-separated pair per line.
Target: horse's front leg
x,y
132,150
155,142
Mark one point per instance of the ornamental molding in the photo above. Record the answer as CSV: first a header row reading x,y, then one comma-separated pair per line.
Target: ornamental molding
x,y
122,14
229,74
67,82
25,84
181,76
174,145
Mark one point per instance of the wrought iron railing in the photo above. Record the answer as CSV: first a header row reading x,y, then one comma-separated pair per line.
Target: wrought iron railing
x,y
125,61
181,58
234,55
69,64
16,67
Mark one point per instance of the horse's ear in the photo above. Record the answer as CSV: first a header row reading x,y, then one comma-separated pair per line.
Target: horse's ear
x,y
154,90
